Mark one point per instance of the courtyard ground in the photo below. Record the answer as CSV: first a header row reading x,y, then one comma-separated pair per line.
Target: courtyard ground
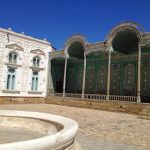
x,y
100,130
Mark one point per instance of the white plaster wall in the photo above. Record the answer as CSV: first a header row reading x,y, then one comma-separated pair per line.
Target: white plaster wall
x,y
23,73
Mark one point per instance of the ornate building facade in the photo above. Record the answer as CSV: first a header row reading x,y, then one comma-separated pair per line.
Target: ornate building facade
x,y
117,68
23,65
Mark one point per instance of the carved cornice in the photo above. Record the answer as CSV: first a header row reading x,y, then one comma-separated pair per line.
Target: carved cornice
x,y
24,36
36,68
37,51
14,46
96,45
57,54
12,65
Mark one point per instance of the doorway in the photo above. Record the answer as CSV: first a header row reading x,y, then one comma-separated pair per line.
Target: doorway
x,y
59,86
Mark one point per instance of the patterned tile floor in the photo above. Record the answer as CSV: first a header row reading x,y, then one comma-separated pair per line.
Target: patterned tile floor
x,y
100,130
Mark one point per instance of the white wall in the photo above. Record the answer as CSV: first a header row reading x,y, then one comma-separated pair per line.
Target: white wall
x,y
25,57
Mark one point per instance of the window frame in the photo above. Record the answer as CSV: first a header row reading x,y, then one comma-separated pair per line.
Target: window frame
x,y
36,61
11,85
35,81
13,60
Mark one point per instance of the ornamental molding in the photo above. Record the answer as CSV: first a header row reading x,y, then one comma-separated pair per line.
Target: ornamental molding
x,y
23,36
12,65
34,68
11,91
138,29
14,46
130,57
75,38
96,45
37,52
57,54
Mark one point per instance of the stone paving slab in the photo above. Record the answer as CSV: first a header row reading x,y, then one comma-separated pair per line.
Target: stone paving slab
x,y
100,130
91,143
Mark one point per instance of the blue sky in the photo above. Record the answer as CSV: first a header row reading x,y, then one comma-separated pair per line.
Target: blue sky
x,y
56,20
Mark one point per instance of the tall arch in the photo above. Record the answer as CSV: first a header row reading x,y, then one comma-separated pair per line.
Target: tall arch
x,y
125,39
123,30
74,49
75,46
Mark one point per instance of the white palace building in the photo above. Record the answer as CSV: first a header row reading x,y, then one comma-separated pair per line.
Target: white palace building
x,y
23,65
117,68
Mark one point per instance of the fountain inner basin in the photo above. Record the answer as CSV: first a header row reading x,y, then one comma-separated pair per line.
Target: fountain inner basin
x,y
15,129
26,130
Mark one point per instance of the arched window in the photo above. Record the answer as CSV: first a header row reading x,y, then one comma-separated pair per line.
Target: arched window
x,y
11,79
35,81
12,58
36,61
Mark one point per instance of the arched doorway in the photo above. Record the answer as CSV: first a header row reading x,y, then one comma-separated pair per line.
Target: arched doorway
x,y
74,73
124,40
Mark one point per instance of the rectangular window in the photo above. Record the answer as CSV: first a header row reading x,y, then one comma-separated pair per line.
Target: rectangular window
x,y
35,78
13,57
36,61
11,76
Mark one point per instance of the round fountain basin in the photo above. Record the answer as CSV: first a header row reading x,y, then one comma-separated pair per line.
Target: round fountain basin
x,y
22,130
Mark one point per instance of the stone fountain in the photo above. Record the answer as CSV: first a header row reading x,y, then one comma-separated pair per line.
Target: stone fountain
x,y
25,130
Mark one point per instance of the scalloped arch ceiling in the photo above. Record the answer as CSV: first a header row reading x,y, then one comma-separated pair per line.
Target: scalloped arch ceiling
x,y
125,41
76,50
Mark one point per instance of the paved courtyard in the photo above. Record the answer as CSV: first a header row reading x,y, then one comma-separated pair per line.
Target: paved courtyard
x,y
100,130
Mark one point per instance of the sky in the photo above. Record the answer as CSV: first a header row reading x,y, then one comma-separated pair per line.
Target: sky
x,y
57,20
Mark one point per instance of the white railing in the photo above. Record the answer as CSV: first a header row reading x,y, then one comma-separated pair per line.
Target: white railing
x,y
73,95
95,96
100,97
123,98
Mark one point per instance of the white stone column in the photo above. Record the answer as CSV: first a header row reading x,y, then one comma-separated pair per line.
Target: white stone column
x,y
50,87
47,77
139,76
108,73
84,76
64,82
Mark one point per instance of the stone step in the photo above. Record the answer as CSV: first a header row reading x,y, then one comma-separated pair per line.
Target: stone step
x,y
146,110
144,114
144,117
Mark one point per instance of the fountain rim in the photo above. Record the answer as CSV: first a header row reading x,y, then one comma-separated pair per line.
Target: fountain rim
x,y
62,138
